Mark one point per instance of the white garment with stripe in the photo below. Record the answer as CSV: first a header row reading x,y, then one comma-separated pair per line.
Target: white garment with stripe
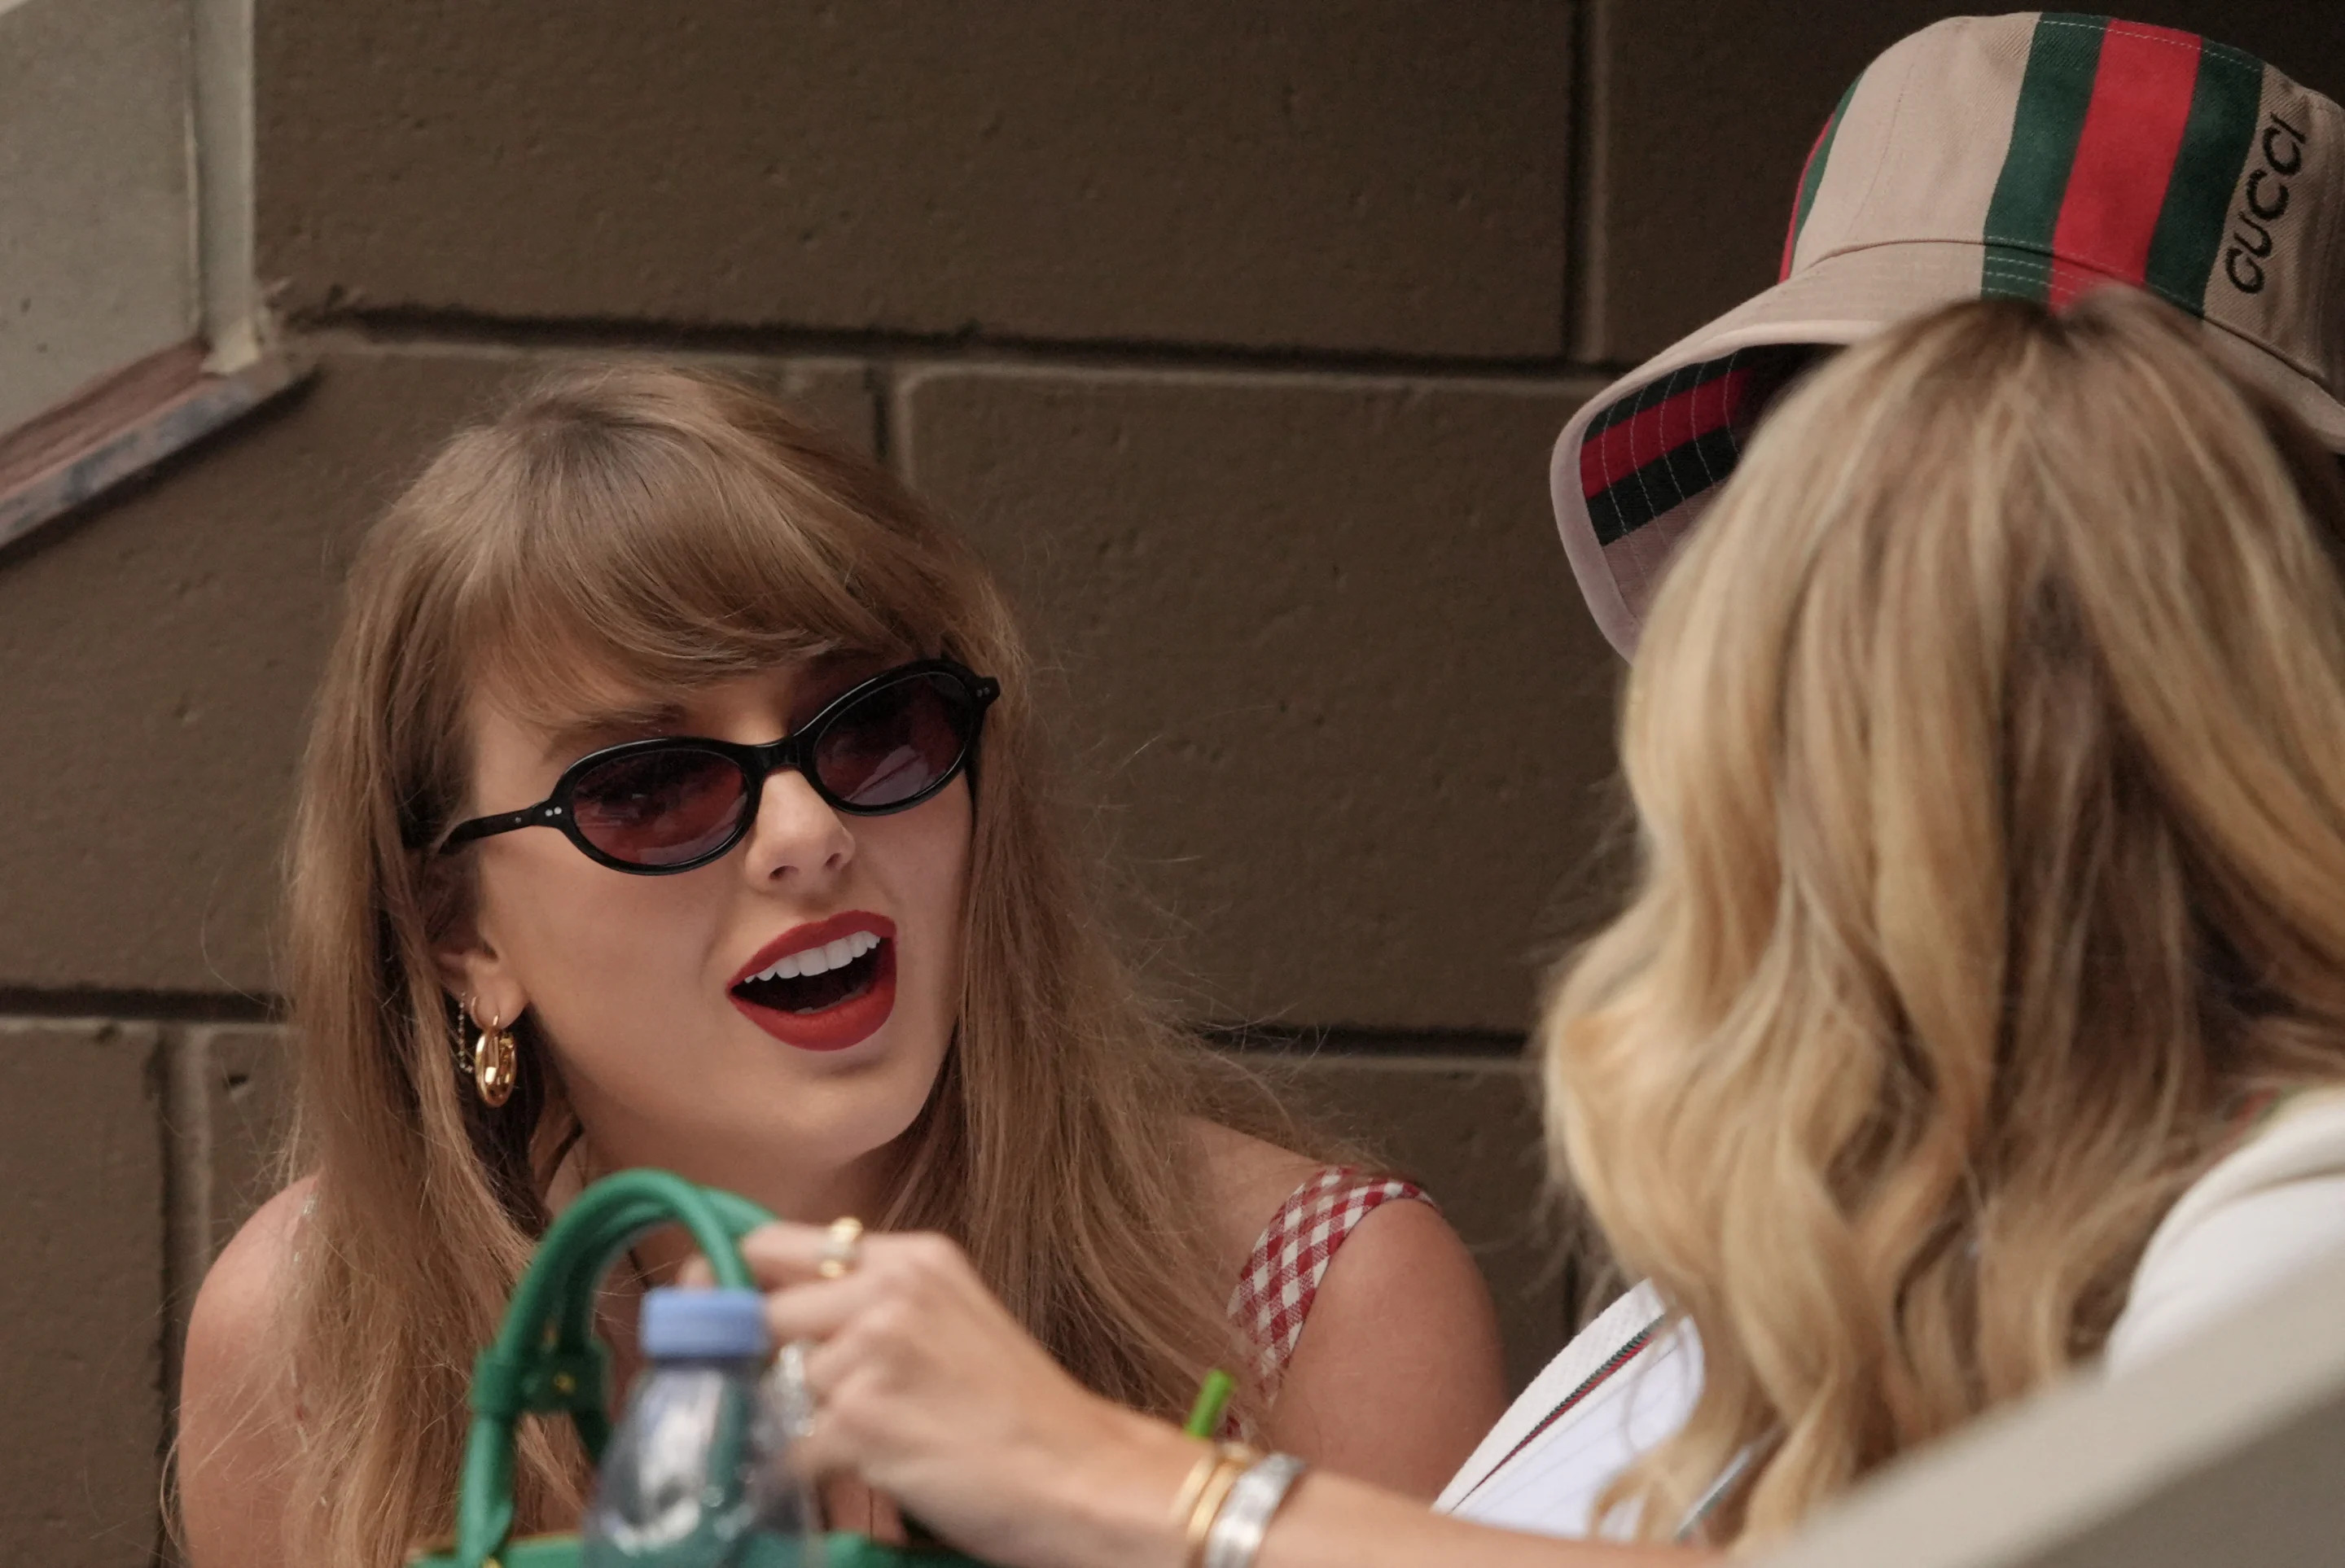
x,y
2263,1212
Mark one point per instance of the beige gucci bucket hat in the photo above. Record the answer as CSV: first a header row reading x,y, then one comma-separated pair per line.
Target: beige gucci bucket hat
x,y
2031,156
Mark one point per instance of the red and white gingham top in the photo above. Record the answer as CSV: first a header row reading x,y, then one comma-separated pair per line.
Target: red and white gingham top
x,y
1290,1257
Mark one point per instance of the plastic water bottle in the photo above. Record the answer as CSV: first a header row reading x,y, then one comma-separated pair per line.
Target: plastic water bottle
x,y
693,1476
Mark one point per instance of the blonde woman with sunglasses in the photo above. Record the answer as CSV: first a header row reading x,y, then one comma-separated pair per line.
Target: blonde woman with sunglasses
x,y
1979,1011
675,798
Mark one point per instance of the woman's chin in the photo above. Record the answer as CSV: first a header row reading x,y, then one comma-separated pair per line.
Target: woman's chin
x,y
745,1110
810,1111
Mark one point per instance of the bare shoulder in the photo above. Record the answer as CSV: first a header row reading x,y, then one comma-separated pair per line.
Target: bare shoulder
x,y
1397,1374
237,1401
232,1330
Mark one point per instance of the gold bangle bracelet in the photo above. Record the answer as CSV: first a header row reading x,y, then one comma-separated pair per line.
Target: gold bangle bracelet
x,y
1200,1473
1227,1467
1184,1501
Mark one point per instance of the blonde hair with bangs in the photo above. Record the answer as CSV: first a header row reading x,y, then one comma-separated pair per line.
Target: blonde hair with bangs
x,y
664,530
1988,748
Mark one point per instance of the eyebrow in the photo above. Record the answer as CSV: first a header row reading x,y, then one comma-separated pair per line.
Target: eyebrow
x,y
593,732
836,672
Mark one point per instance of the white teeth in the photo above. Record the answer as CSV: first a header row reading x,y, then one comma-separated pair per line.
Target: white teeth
x,y
821,960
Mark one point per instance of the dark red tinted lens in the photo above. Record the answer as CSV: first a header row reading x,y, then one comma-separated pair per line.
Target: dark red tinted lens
x,y
659,807
896,744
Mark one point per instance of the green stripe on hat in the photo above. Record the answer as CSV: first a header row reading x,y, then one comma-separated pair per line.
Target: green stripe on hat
x,y
2055,91
2225,105
1811,178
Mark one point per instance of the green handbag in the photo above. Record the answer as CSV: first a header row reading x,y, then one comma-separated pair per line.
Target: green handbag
x,y
547,1358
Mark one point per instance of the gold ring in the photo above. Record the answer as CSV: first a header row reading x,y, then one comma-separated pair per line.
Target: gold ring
x,y
842,1249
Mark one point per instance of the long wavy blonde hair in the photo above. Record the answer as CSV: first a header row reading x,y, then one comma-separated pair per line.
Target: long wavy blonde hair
x,y
1988,748
673,531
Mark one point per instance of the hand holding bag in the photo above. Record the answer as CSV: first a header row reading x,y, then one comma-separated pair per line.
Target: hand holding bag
x,y
547,1358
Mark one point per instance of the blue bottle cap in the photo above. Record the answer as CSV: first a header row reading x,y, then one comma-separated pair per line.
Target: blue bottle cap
x,y
723,1325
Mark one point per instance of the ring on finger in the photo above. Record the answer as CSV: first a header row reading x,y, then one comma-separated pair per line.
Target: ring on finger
x,y
842,1249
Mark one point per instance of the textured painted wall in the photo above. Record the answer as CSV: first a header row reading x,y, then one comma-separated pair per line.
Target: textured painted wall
x,y
96,220
1323,655
1357,175
83,1171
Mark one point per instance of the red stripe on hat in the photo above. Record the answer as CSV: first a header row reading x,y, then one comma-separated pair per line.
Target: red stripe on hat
x,y
1614,453
2125,156
1791,234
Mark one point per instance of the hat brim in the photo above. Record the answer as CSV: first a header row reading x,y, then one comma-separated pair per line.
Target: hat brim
x,y
1838,300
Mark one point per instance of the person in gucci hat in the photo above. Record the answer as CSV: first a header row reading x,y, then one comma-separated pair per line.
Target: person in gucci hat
x,y
2028,157
2037,157
1978,1015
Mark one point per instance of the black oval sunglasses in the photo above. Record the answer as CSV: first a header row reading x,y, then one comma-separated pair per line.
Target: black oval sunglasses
x,y
660,807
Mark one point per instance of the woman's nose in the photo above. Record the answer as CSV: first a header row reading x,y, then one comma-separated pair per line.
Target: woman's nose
x,y
796,832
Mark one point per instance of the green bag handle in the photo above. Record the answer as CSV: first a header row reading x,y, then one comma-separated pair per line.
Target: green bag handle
x,y
547,1358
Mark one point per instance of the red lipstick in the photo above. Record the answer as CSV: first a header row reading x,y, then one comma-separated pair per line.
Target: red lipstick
x,y
832,1025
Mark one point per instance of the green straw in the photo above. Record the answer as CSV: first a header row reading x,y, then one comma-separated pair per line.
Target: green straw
x,y
1212,1398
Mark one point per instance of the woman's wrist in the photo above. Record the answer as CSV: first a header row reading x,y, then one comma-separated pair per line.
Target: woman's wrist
x,y
1119,1494
1234,1534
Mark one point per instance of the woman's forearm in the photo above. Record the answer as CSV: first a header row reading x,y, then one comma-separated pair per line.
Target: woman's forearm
x,y
1333,1521
1115,1511
926,1387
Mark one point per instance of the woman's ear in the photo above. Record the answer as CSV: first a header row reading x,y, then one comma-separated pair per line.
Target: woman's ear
x,y
476,974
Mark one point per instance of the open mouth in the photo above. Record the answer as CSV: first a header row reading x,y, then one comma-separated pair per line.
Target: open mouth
x,y
834,987
819,979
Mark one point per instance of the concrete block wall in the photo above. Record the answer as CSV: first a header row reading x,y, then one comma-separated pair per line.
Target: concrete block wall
x,y
83,1164
1236,336
96,251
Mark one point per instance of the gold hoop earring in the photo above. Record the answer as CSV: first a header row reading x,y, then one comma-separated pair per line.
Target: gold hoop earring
x,y
492,1061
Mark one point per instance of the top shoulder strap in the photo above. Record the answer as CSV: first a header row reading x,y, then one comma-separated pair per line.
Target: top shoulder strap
x,y
1282,1276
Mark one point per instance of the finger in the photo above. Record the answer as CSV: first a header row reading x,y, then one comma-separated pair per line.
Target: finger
x,y
835,1359
784,1253
821,1309
820,1452
696,1273
842,1439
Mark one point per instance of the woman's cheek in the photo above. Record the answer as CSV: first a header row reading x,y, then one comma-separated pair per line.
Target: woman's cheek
x,y
615,978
